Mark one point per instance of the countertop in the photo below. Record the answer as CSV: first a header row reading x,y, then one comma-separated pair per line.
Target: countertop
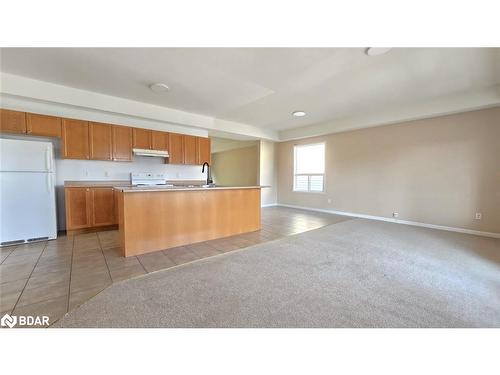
x,y
137,189
118,183
126,187
98,183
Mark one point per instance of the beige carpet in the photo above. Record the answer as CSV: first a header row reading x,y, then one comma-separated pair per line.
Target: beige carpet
x,y
357,273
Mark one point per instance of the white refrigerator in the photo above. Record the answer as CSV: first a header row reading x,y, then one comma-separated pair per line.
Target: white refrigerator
x,y
27,192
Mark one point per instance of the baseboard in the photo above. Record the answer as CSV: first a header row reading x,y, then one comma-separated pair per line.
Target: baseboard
x,y
397,221
91,230
269,205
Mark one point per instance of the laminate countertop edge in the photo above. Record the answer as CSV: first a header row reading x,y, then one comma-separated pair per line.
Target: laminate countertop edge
x,y
142,189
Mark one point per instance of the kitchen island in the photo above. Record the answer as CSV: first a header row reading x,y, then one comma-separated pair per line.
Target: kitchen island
x,y
157,218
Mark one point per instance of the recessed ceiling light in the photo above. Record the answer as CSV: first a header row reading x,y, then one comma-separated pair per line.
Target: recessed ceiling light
x,y
159,87
376,51
299,113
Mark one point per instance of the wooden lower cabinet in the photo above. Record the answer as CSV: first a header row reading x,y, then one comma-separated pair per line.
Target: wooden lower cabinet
x,y
103,206
77,202
89,208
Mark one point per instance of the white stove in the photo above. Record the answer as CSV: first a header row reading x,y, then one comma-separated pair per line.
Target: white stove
x,y
148,179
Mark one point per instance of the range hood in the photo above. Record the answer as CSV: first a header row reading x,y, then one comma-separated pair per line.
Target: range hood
x,y
153,153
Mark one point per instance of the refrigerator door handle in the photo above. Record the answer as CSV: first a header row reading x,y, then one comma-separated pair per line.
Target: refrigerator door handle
x,y
49,182
48,159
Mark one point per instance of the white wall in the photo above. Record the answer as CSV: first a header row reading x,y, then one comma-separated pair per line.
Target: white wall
x,y
439,171
268,173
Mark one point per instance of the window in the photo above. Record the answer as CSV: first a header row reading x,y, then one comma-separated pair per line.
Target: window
x,y
309,168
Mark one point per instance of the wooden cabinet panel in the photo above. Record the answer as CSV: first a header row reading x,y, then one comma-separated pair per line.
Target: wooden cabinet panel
x,y
101,142
12,121
190,149
142,138
204,150
75,139
103,206
122,143
175,149
147,223
47,126
159,140
77,201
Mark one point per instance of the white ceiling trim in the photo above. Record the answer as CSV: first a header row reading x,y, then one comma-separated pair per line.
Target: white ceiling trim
x,y
446,105
24,89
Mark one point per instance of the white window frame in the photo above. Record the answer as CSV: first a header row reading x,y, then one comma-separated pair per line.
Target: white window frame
x,y
308,174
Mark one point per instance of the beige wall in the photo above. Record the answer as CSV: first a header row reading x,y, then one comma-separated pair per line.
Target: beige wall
x,y
438,171
236,167
268,173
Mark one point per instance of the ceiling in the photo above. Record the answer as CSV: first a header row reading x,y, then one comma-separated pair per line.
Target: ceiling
x,y
263,86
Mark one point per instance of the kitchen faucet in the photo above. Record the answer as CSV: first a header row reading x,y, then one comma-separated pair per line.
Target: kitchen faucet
x,y
209,179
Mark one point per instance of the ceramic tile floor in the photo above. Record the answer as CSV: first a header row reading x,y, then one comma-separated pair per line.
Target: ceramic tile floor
x,y
53,277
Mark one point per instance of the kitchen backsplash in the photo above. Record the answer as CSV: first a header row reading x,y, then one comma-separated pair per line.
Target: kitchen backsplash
x,y
67,169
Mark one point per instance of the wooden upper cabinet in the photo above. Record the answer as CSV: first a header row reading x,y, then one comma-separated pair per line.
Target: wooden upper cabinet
x,y
190,144
142,138
175,148
122,143
78,208
204,150
75,139
12,121
47,126
103,206
101,141
159,140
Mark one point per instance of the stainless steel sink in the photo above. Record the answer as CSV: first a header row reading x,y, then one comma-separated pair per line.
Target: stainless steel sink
x,y
200,186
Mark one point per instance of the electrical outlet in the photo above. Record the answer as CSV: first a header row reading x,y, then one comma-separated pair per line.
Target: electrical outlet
x,y
86,172
329,200
106,174
395,214
479,215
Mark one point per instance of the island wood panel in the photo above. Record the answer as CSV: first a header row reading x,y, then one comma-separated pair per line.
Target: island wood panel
x,y
46,126
152,221
12,121
101,141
